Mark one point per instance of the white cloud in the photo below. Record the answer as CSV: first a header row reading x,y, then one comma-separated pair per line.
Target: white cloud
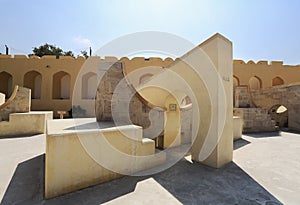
x,y
81,41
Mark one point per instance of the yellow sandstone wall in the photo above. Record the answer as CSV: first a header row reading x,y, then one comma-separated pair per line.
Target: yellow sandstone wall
x,y
47,67
22,70
268,73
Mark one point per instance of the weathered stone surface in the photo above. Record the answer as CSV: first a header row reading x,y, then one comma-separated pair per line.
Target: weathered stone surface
x,y
242,97
256,119
18,102
286,96
265,101
112,94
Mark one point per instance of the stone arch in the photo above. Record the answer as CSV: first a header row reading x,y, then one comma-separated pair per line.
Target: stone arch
x,y
186,101
33,81
277,81
89,85
145,78
255,83
6,83
61,85
279,113
236,81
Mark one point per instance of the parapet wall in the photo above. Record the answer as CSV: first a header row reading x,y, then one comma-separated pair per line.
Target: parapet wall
x,y
261,62
80,58
139,59
266,74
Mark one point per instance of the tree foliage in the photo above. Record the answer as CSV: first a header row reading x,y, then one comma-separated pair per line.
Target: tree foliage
x,y
48,49
84,53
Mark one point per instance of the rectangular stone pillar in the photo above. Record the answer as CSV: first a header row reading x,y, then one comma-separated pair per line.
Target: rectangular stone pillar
x,y
219,50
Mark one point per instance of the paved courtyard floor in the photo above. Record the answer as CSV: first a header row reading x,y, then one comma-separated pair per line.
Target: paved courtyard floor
x,y
265,170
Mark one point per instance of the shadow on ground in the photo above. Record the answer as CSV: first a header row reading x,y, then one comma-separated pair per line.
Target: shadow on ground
x,y
17,136
240,143
291,131
92,125
189,183
264,134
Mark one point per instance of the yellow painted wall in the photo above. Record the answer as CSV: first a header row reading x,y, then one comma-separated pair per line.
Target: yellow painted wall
x,y
19,65
266,72
47,66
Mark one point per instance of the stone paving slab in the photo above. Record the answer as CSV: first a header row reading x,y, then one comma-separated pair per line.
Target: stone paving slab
x,y
272,159
22,177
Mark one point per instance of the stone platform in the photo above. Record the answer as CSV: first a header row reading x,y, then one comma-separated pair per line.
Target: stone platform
x,y
265,171
27,123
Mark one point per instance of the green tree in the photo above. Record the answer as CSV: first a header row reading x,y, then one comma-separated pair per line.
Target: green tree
x,y
48,49
85,54
69,53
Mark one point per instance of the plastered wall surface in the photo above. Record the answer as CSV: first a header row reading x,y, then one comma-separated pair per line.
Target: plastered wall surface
x,y
77,160
48,66
29,123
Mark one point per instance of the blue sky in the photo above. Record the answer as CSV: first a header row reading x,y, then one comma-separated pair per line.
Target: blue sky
x,y
267,30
